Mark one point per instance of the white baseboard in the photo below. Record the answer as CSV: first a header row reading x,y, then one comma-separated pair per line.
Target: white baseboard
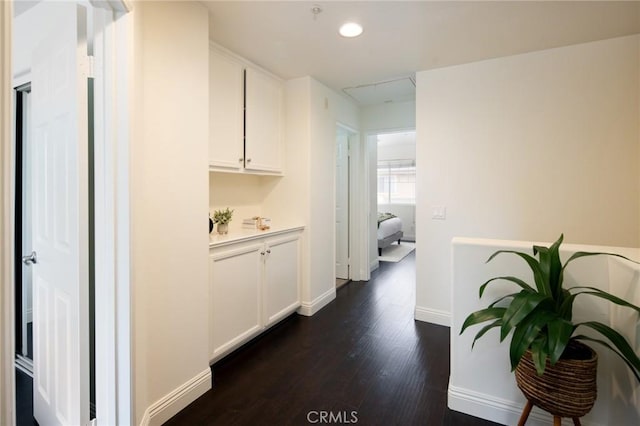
x,y
310,308
498,410
375,264
433,316
172,403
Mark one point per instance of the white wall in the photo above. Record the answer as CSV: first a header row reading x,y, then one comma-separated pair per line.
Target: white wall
x,y
7,351
169,201
526,147
30,28
327,109
389,116
307,191
243,193
490,392
399,151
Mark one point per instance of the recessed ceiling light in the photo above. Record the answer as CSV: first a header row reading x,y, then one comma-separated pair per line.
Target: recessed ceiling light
x,y
350,29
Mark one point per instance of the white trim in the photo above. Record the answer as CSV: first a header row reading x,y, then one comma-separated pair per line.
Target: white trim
x,y
123,76
434,316
246,64
310,308
358,201
7,348
22,79
499,410
176,400
113,5
375,264
24,364
105,338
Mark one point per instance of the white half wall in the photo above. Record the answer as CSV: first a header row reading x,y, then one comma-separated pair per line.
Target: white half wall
x,y
526,147
481,383
169,201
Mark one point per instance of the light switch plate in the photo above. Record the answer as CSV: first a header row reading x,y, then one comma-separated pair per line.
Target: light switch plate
x,y
439,212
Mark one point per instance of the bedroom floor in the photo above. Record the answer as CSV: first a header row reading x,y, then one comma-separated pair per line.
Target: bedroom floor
x,y
361,355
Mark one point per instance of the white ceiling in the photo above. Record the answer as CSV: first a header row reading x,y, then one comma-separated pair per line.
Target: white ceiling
x,y
402,37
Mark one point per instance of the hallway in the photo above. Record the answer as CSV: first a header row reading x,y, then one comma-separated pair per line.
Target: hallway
x,y
363,357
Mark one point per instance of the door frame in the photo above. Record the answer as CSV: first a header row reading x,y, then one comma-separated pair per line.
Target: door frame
x,y
113,321
341,131
358,202
371,153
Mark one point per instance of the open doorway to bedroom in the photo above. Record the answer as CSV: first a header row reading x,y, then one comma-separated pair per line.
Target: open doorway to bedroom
x,y
396,195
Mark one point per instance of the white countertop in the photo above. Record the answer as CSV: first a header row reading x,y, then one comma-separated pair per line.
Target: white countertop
x,y
238,235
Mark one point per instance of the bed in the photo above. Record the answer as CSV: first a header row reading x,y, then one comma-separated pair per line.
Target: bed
x,y
389,230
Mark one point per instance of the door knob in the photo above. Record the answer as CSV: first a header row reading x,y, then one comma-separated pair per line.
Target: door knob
x,y
30,259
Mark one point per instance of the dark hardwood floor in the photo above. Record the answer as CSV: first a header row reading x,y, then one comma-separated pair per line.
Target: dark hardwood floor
x,y
362,358
24,399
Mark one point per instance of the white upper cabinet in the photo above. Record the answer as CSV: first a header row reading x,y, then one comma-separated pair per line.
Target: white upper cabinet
x,y
226,105
263,117
246,112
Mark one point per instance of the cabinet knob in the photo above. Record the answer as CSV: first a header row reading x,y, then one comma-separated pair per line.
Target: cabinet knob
x,y
240,160
248,160
262,253
269,251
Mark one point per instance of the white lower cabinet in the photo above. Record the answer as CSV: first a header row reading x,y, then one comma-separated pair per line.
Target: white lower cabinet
x,y
252,285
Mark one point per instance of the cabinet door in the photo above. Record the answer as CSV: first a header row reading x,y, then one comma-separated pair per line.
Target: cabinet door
x,y
282,278
263,132
226,104
235,297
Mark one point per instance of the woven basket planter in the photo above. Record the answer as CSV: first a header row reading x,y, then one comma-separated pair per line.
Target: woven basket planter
x,y
566,389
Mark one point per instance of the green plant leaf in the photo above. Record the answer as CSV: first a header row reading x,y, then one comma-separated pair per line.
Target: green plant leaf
x,y
544,260
515,280
482,315
521,305
538,276
604,295
525,333
625,350
555,268
539,353
559,333
486,328
579,254
495,302
607,345
566,308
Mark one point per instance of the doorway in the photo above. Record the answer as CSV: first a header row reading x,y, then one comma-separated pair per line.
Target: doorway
x,y
395,194
23,277
345,137
109,25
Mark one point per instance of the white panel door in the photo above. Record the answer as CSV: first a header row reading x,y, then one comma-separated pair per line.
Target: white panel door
x,y
263,122
282,278
226,138
342,206
60,223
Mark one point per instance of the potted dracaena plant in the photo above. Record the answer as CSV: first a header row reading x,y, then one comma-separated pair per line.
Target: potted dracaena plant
x,y
554,370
